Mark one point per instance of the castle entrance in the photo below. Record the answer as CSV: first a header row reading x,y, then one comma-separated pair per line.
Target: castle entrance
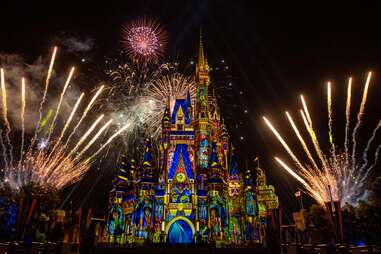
x,y
180,230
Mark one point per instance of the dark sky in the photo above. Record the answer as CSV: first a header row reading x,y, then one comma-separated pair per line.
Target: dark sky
x,y
275,52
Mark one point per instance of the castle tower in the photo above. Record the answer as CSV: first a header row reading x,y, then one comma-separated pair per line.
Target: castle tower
x,y
218,217
196,192
201,121
122,202
235,201
202,68
224,140
181,197
143,214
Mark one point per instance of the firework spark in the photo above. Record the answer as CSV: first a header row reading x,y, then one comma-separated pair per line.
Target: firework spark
x,y
53,160
159,91
337,176
147,109
139,94
144,39
23,104
5,115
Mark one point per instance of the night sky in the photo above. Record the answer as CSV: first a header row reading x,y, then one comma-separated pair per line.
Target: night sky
x,y
274,53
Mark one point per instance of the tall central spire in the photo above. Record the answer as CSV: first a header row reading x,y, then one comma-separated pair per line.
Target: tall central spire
x,y
202,69
201,55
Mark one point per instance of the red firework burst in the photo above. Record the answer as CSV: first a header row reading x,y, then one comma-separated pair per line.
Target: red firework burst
x,y
144,39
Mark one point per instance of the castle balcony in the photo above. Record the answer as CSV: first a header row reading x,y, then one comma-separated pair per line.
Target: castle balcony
x,y
180,207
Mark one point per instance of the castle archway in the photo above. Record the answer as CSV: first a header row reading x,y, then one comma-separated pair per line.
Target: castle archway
x,y
180,230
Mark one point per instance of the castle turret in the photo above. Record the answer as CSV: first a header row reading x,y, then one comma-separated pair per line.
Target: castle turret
x,y
147,171
234,176
202,68
201,121
235,201
188,103
193,191
224,143
215,174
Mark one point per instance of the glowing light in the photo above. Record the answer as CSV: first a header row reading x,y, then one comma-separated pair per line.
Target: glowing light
x,y
144,39
347,119
281,140
50,161
23,105
347,181
5,118
143,105
60,101
42,144
303,143
360,116
88,108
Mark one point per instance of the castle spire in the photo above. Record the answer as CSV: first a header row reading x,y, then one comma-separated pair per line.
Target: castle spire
x,y
147,156
233,169
202,69
214,156
201,55
188,101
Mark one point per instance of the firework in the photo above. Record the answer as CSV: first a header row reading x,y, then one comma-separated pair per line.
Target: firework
x,y
144,39
338,175
22,119
145,110
51,159
138,96
158,92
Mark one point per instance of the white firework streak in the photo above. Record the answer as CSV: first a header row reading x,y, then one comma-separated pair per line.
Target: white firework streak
x,y
338,178
53,163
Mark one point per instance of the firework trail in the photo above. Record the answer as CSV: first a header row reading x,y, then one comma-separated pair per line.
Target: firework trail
x,y
5,115
52,125
284,143
66,126
306,110
88,108
347,119
87,133
330,119
109,141
313,136
338,178
359,117
48,76
96,136
53,162
5,156
366,150
23,104
302,142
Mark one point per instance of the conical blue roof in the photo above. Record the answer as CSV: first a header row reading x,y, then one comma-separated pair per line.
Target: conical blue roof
x,y
147,157
214,161
188,101
233,169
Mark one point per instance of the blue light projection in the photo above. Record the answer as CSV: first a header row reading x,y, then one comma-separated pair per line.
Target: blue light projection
x,y
181,150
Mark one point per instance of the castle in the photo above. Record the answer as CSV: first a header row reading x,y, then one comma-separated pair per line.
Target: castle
x,y
196,194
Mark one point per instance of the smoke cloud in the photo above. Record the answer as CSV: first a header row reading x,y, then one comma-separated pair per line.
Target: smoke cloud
x,y
76,45
35,74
